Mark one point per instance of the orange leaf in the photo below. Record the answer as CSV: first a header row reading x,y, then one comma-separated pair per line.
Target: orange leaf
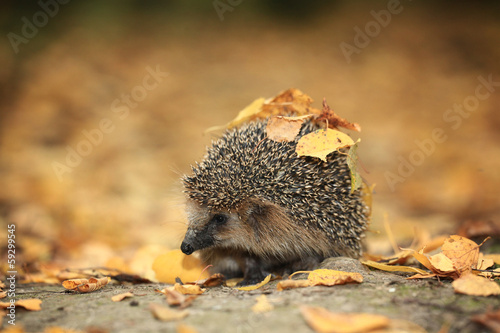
x,y
188,289
292,284
329,277
471,284
174,264
121,297
31,304
462,251
166,314
324,321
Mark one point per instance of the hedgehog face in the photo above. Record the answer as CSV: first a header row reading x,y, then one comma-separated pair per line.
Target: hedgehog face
x,y
211,228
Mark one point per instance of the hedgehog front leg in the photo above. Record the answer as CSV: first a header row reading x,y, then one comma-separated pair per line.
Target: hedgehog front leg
x,y
253,271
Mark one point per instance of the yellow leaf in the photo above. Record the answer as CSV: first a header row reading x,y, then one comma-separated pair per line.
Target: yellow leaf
x,y
442,264
471,284
462,251
322,142
250,112
324,321
188,289
494,257
392,268
329,277
262,305
166,314
174,264
121,297
256,286
292,284
352,163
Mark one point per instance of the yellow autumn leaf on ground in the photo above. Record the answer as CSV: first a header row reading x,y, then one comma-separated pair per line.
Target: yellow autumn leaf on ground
x,y
462,251
163,313
188,289
57,329
262,305
321,143
121,297
86,285
292,284
393,268
31,304
473,285
441,264
494,257
256,286
174,264
324,321
284,129
183,328
330,277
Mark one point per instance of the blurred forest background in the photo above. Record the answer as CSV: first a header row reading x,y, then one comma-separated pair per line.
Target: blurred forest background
x,y
67,77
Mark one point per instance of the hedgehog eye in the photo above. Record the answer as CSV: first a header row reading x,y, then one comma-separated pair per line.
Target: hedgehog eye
x,y
219,219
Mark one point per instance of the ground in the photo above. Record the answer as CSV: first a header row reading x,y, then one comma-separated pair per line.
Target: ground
x,y
430,304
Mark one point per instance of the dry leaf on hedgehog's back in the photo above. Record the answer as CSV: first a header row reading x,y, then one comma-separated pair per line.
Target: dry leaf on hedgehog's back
x,y
284,129
321,143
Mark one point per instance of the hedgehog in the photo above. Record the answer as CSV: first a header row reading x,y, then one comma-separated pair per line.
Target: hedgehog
x,y
255,208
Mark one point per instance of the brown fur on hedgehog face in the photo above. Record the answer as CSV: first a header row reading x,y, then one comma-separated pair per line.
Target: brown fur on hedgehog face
x,y
256,229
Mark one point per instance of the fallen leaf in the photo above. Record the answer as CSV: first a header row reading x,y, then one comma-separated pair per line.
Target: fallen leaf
x,y
463,253
393,268
442,264
187,289
256,286
321,143
473,285
323,321
183,328
3,294
489,319
284,129
174,264
484,263
166,314
57,329
494,257
329,277
31,304
212,281
121,297
262,305
292,284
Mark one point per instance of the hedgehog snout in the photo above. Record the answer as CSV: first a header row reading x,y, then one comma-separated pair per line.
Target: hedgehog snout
x,y
187,248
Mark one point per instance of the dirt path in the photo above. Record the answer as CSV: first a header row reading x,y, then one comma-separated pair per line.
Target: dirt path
x,y
428,303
